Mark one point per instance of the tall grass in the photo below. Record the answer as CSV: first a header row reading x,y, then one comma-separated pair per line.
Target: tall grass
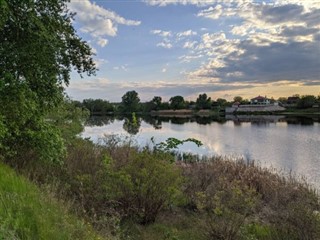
x,y
28,213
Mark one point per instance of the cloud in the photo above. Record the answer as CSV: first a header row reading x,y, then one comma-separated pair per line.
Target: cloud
x,y
189,58
163,3
190,45
122,67
164,70
165,45
270,42
186,33
161,33
102,42
105,89
98,21
212,12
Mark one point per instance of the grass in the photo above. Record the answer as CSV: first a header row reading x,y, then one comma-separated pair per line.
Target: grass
x,y
28,213
217,198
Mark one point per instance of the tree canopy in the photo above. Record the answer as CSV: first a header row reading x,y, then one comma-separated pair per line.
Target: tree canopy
x,y
177,102
203,102
38,49
130,101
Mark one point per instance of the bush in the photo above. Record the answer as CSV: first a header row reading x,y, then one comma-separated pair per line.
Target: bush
x,y
146,184
233,194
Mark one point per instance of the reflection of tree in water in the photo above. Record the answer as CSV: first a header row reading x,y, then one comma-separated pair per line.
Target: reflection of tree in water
x,y
99,121
132,124
208,120
300,120
154,121
176,120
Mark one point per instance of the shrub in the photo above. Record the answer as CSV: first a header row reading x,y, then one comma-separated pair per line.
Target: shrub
x,y
146,184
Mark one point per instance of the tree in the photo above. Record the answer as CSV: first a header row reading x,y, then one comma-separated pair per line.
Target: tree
x,y
222,102
98,106
156,102
238,99
177,102
306,101
203,102
130,102
38,49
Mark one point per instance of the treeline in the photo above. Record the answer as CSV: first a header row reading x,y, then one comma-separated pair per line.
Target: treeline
x,y
131,103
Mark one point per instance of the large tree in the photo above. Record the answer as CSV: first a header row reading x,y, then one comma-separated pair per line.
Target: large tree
x,y
203,102
38,49
177,102
130,102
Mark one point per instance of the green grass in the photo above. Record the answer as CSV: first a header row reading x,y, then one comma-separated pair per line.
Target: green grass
x,y
28,213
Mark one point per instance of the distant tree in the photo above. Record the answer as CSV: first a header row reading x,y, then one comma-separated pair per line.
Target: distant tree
x,y
282,99
222,102
130,102
238,99
164,106
98,106
177,102
203,102
157,101
306,101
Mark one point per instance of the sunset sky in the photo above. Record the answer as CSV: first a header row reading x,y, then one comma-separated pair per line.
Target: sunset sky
x,y
186,47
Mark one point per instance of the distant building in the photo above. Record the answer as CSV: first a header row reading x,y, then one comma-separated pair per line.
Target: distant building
x,y
260,100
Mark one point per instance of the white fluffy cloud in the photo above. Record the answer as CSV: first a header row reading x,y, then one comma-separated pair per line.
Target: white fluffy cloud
x,y
102,42
161,33
165,45
98,21
163,3
186,33
272,42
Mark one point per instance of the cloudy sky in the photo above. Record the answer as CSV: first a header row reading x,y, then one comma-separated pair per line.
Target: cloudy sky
x,y
185,47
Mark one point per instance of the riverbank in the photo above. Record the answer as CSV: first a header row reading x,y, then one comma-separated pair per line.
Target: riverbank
x,y
26,212
147,194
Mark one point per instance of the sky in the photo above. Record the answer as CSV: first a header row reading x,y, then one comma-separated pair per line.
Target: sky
x,y
224,48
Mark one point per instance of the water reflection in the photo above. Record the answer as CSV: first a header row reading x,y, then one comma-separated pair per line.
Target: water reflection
x,y
156,122
282,142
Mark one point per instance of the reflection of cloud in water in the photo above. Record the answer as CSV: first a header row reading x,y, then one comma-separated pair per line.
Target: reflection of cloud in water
x,y
280,145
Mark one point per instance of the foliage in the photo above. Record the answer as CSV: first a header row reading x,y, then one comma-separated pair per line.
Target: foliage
x,y
177,102
130,102
173,143
222,102
234,194
145,185
238,99
132,124
203,102
68,118
306,101
226,205
26,213
98,106
27,132
38,49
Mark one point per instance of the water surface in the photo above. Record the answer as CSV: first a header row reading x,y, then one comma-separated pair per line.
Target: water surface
x,y
289,144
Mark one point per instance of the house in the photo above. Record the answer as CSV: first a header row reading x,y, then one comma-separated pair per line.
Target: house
x,y
260,100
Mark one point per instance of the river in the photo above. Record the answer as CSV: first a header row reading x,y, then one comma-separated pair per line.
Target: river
x,y
287,144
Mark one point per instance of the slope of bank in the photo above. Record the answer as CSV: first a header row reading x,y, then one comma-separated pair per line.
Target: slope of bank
x,y
28,213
